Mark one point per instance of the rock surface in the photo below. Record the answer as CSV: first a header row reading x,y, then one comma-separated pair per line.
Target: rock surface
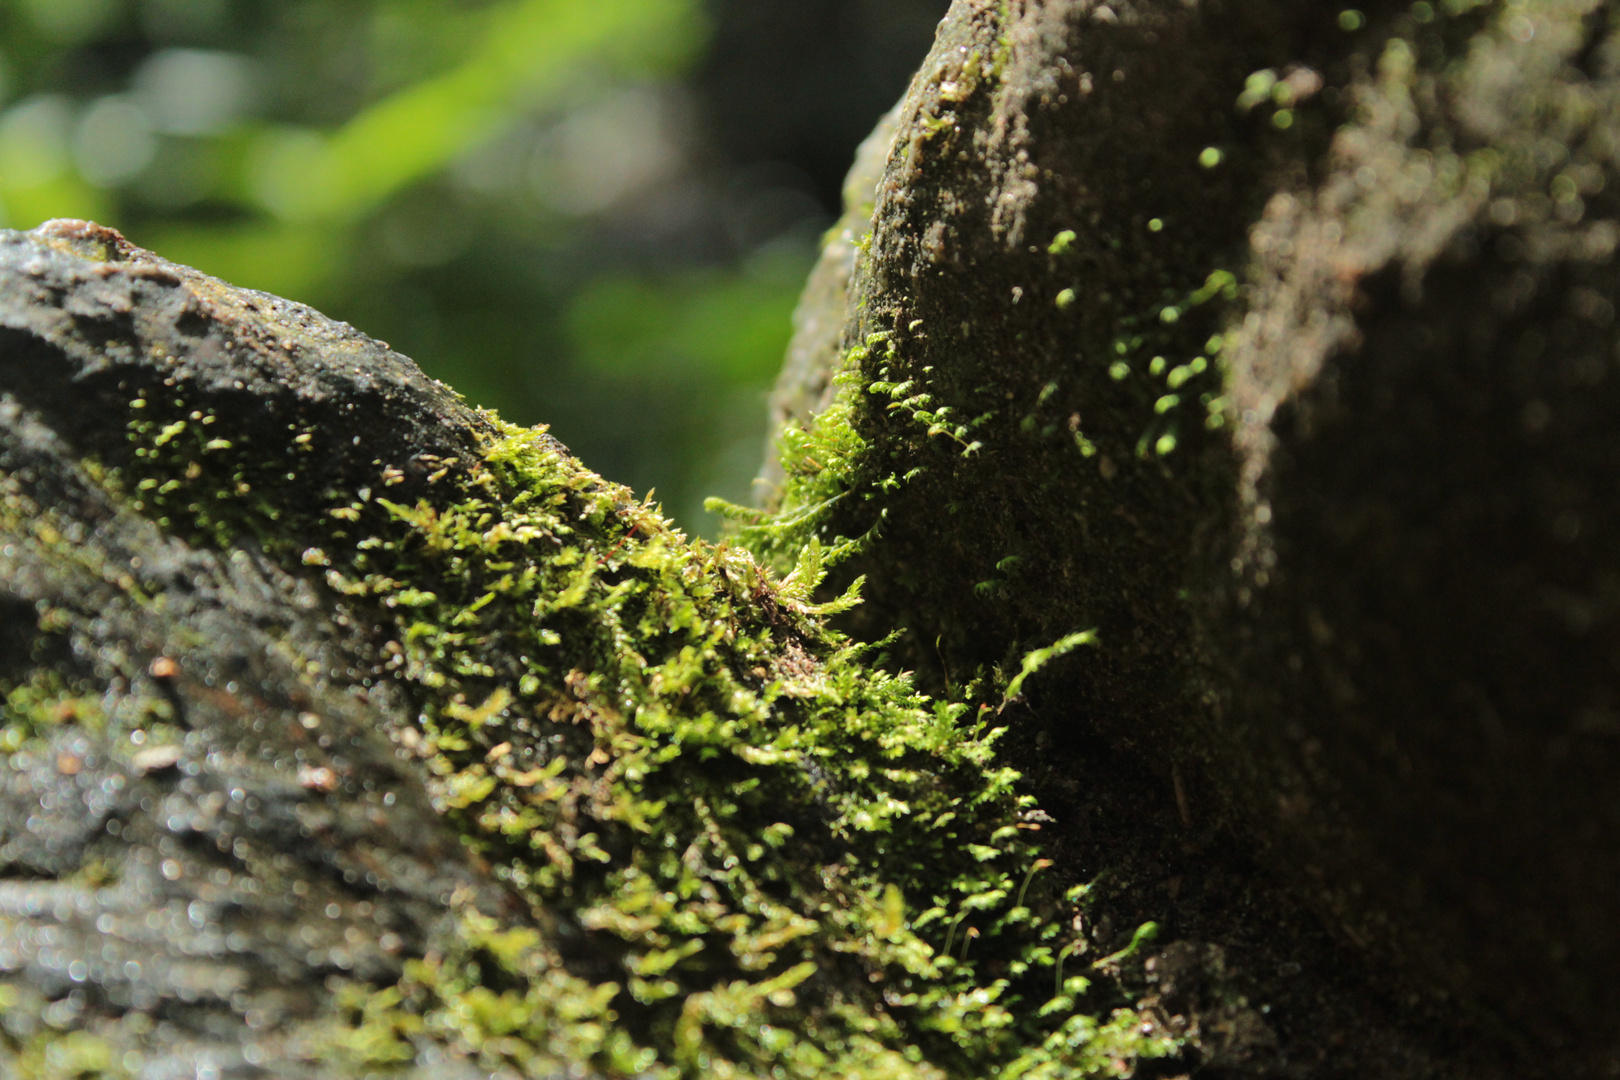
x,y
1224,405
203,820
346,730
1274,344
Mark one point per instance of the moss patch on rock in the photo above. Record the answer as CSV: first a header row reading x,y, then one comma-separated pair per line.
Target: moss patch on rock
x,y
698,833
1260,341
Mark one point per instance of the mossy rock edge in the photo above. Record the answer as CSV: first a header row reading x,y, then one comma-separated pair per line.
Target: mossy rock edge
x,y
1270,345
349,731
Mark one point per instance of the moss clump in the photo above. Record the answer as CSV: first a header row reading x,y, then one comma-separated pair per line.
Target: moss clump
x,y
740,848
74,1055
1235,475
41,704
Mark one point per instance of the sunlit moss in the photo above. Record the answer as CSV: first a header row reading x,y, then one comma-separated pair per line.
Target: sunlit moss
x,y
784,859
44,702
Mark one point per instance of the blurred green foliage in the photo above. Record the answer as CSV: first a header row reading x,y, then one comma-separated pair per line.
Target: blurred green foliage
x,y
516,193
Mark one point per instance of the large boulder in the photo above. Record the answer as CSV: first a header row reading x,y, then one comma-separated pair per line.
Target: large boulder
x,y
1260,355
346,730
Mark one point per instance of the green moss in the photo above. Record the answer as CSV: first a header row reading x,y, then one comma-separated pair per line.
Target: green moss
x,y
33,1049
72,1055
42,703
783,859
823,463
832,468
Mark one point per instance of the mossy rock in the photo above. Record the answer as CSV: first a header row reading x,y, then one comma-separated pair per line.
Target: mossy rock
x,y
1261,356
350,731
1223,418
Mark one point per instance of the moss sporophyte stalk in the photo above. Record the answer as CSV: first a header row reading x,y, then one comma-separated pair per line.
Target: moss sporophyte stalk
x,y
785,859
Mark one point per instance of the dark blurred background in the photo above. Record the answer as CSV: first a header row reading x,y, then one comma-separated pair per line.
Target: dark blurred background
x,y
590,213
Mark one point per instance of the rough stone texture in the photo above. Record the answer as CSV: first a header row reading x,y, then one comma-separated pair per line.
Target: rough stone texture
x,y
1346,543
345,731
195,892
804,385
1345,728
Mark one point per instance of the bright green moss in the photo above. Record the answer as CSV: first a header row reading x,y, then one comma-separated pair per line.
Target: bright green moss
x,y
41,704
74,1055
822,463
830,462
780,859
